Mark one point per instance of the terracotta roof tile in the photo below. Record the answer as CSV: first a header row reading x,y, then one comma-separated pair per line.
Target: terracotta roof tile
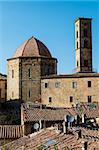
x,y
32,48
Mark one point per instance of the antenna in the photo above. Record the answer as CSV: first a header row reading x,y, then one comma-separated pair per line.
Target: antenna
x,y
36,126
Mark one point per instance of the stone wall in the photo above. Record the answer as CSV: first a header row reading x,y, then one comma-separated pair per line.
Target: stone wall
x,y
59,90
3,87
25,84
13,79
3,90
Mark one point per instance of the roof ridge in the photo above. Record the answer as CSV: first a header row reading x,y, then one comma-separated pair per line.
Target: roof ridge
x,y
26,44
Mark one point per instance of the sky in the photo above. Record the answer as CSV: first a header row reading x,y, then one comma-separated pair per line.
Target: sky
x,y
52,22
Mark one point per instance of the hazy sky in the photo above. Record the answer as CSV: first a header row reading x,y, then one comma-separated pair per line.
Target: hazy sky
x,y
52,22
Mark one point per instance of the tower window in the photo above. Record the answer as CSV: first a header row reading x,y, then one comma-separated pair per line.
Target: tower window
x,y
77,63
12,73
85,44
86,63
77,45
89,99
46,85
77,34
71,99
85,31
29,72
89,83
74,85
50,99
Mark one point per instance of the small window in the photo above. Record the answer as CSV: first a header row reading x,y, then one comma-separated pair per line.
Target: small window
x,y
50,99
57,84
74,85
85,32
85,44
77,45
29,94
46,85
77,63
77,34
89,99
29,72
71,99
86,63
89,83
12,73
12,94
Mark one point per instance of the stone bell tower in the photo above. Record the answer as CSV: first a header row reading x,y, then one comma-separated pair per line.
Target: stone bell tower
x,y
83,45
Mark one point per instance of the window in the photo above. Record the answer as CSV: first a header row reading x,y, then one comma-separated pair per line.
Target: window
x,y
86,63
85,31
85,44
50,99
29,72
74,85
71,99
89,99
57,84
77,34
12,73
29,94
77,63
46,85
12,94
89,83
77,45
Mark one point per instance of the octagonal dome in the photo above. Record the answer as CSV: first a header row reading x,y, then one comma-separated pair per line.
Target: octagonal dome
x,y
32,48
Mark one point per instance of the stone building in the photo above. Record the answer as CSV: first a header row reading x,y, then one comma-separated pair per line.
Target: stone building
x,y
69,90
31,61
3,87
32,72
82,86
83,45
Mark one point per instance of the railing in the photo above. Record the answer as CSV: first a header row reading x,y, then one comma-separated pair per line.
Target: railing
x,y
11,131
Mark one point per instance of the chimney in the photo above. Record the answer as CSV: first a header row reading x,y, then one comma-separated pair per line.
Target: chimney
x,y
83,118
65,125
79,134
84,145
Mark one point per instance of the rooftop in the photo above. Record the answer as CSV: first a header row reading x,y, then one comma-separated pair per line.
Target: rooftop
x,y
50,139
32,48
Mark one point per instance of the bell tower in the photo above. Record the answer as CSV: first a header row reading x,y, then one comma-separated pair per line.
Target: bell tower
x,y
83,45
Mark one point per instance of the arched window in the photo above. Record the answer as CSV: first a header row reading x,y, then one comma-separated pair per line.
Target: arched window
x,y
29,72
12,73
77,45
77,34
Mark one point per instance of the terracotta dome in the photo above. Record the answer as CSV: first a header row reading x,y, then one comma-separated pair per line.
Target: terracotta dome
x,y
32,48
